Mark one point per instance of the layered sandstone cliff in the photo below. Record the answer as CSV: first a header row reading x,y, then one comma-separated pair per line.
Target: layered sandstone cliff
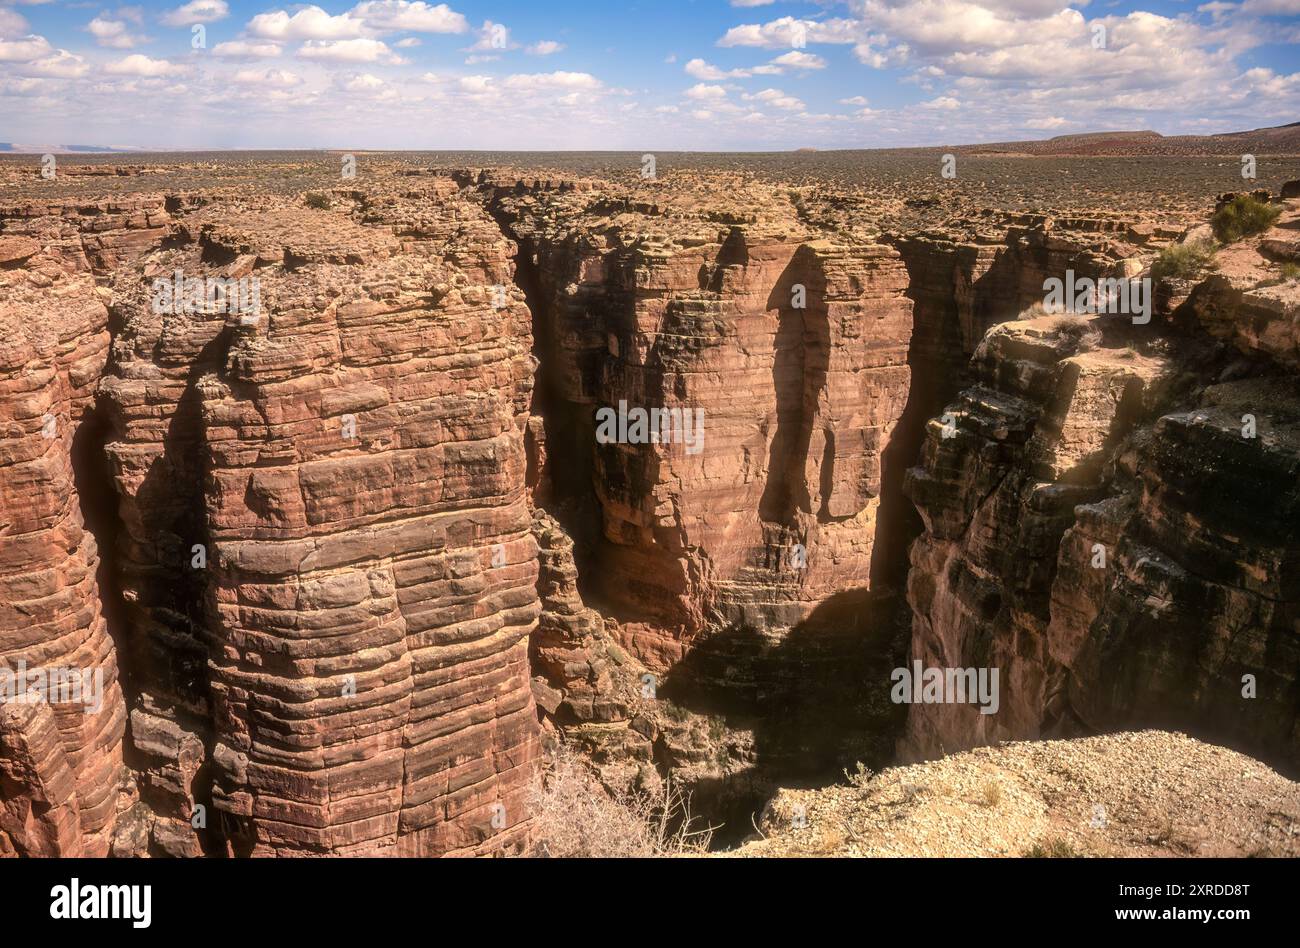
x,y
1112,518
347,553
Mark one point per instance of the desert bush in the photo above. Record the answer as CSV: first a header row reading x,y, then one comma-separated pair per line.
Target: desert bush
x,y
1242,216
318,200
575,817
1053,848
860,777
1080,330
1182,261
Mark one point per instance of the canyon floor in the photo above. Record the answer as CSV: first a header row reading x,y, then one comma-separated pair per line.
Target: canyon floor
x,y
352,550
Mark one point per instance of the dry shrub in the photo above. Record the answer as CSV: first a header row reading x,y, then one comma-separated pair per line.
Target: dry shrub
x,y
575,817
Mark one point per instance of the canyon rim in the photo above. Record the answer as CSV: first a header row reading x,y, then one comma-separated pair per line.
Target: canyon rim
x,y
394,471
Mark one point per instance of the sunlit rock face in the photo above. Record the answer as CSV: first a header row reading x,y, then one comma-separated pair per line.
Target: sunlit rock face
x,y
346,540
329,562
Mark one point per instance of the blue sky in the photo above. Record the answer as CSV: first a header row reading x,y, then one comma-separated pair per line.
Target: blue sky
x,y
670,74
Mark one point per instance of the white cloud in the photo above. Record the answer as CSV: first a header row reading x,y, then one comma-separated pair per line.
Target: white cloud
x,y
112,33
139,65
196,11
25,49
12,23
855,100
309,23
777,99
415,17
944,103
409,43
786,30
268,79
799,60
492,37
553,80
705,92
61,65
752,3
242,49
361,50
1046,123
544,48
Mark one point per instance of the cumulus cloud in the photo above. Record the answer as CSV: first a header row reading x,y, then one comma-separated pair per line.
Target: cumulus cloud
x,y
706,92
197,11
12,23
777,99
362,50
138,64
25,49
415,17
114,34
789,31
268,78
61,65
796,59
544,48
309,23
553,80
492,37
243,49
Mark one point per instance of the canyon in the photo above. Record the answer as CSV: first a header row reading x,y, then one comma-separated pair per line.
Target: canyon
x,y
352,559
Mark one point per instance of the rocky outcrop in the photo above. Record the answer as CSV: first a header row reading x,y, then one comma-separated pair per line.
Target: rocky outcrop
x,y
61,771
793,352
1111,518
327,511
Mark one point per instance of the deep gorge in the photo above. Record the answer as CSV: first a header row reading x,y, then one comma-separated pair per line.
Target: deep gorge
x,y
420,567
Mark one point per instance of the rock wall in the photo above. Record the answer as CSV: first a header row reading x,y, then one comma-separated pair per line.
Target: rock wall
x,y
61,772
1111,519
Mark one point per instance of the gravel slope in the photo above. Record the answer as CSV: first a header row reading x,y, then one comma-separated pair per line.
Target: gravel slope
x,y
1148,793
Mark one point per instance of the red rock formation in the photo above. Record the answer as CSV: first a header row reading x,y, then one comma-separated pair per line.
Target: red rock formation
x,y
795,350
1114,532
64,757
350,460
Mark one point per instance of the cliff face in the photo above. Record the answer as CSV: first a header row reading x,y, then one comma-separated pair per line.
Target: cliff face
x,y
325,551
346,549
791,351
60,763
1111,518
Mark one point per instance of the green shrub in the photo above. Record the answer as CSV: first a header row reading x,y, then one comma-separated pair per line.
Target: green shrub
x,y
1182,261
1243,216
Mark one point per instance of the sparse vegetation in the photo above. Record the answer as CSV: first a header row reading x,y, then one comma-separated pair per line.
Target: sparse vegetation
x,y
575,817
1243,216
1286,273
318,199
991,793
1080,330
860,776
1182,261
1053,848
